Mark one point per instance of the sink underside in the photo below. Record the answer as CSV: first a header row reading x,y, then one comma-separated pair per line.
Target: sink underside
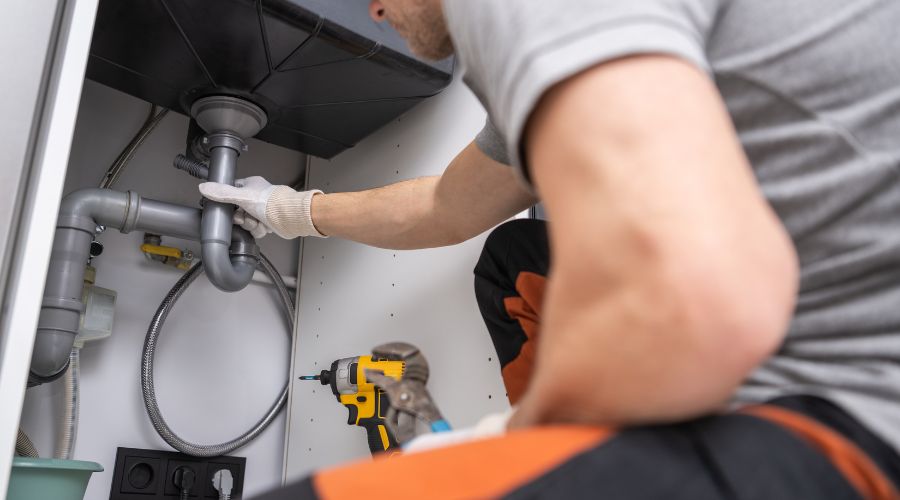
x,y
323,83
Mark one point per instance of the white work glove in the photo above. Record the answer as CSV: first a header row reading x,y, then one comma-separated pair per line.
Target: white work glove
x,y
490,426
264,208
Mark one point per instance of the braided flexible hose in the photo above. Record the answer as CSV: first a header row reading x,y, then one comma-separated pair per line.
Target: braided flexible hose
x,y
149,351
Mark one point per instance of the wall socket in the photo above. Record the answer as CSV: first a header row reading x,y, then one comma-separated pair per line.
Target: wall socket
x,y
150,475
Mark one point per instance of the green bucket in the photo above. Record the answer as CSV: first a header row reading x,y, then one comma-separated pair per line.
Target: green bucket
x,y
49,479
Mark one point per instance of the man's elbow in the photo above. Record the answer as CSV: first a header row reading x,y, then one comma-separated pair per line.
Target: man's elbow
x,y
740,307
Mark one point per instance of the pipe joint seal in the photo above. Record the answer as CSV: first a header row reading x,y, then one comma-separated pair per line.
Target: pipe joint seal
x,y
52,329
132,212
36,379
213,241
77,222
63,303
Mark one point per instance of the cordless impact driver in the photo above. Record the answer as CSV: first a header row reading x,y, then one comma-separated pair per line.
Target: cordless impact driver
x,y
366,403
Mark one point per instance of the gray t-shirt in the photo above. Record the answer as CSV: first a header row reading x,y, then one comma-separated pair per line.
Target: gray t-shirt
x,y
491,142
813,88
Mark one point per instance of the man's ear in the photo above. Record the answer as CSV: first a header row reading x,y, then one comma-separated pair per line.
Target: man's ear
x,y
376,11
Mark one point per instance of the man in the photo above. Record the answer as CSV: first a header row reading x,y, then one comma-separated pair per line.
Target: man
x,y
720,177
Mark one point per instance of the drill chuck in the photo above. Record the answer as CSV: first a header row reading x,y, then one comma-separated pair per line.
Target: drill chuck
x,y
324,377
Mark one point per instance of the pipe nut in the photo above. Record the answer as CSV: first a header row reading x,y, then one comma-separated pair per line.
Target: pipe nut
x,y
244,248
226,140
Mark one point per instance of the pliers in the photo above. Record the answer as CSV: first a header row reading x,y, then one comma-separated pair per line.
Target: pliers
x,y
408,395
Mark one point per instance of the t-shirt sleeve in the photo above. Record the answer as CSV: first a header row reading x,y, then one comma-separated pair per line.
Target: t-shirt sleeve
x,y
491,143
512,51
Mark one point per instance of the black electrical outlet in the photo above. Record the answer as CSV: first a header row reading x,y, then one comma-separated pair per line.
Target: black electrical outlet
x,y
173,488
151,475
140,475
237,476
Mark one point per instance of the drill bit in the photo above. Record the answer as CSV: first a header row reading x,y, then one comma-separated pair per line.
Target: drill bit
x,y
324,377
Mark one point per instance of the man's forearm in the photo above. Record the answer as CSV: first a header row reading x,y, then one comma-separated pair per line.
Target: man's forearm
x,y
400,216
474,194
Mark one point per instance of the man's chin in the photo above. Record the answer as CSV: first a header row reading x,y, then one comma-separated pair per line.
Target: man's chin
x,y
430,53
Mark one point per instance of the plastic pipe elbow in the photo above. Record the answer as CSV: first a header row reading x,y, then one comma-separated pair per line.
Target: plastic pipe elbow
x,y
226,272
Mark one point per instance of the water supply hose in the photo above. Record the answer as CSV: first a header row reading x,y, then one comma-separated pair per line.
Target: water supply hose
x,y
149,351
118,166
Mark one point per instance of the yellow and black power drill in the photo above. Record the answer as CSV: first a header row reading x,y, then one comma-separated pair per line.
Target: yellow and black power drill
x,y
367,404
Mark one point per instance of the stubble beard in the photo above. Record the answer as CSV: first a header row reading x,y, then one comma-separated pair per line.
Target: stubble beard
x,y
422,25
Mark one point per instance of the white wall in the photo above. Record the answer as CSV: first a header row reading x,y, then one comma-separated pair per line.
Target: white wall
x,y
222,357
353,297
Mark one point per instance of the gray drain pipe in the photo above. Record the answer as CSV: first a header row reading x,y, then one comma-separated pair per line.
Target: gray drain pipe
x,y
229,254
215,229
80,214
227,120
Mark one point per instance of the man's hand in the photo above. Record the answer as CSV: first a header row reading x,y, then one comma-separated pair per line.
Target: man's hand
x,y
672,278
474,194
264,208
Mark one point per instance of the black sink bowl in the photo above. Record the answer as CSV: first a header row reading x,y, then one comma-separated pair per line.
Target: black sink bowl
x,y
326,75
